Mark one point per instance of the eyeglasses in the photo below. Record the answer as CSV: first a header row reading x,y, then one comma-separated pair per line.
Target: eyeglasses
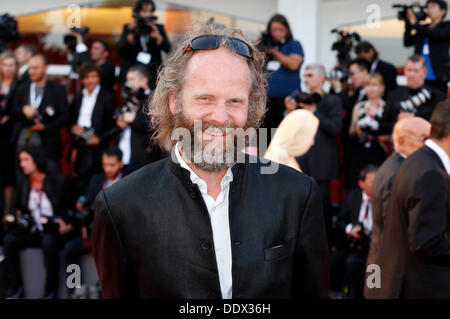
x,y
212,42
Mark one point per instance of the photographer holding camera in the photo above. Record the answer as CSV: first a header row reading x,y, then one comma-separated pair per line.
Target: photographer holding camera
x,y
91,124
98,54
142,41
133,123
284,59
355,220
432,41
37,219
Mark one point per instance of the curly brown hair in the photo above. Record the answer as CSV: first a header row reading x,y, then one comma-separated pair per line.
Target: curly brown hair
x,y
172,76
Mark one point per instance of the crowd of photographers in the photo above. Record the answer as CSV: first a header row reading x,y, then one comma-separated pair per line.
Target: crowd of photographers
x,y
45,208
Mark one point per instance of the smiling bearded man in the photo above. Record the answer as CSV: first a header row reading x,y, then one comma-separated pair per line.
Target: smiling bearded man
x,y
207,222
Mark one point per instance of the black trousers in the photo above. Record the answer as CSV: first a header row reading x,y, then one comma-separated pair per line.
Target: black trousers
x,y
14,242
356,268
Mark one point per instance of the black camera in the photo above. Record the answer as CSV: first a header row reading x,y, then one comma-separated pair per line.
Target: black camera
x,y
368,126
142,26
71,41
131,99
266,42
23,222
414,102
338,73
363,243
306,98
8,31
83,217
416,7
50,224
343,46
85,137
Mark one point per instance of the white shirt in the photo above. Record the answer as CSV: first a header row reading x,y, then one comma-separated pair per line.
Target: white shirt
x,y
441,153
218,214
365,220
87,107
125,145
23,69
39,205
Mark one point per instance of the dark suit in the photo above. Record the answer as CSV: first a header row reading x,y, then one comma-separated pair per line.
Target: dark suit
x,y
381,192
416,250
439,43
57,189
108,71
143,151
88,160
54,96
129,52
389,74
152,236
355,258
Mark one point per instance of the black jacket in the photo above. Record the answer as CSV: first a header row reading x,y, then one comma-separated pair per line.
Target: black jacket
x,y
128,52
55,186
416,249
381,192
108,71
152,236
439,43
389,74
321,161
350,209
403,93
54,97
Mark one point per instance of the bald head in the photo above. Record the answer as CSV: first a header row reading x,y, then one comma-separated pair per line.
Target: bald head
x,y
410,134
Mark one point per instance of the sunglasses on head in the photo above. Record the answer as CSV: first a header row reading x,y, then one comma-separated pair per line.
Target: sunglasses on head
x,y
212,42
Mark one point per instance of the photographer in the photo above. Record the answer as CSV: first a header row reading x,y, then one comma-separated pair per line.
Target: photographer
x,y
417,98
83,217
142,41
37,219
432,41
134,124
98,54
321,161
285,56
39,111
355,220
367,51
369,130
91,124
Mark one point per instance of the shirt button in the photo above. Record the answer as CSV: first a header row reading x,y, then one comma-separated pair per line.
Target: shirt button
x,y
214,209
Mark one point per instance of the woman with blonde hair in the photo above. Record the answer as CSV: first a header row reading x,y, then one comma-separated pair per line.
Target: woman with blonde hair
x,y
369,129
293,138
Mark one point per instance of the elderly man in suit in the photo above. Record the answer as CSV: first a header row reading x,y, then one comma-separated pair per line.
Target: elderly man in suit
x,y
210,223
409,135
415,261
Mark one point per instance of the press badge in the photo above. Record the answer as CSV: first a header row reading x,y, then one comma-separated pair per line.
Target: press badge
x,y
273,65
426,49
144,57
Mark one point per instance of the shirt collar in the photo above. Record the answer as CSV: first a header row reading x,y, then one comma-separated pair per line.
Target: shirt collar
x,y
365,196
94,93
402,155
226,180
441,153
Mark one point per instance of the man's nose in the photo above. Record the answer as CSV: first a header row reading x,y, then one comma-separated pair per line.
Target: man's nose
x,y
220,115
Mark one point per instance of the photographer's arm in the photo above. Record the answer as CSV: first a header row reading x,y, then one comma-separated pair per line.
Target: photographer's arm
x,y
165,44
126,44
291,61
440,32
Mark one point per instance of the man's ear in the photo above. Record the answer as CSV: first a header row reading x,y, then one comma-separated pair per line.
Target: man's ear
x,y
172,103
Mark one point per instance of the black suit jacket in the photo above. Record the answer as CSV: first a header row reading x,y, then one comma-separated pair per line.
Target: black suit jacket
x,y
389,74
54,97
321,161
416,249
152,236
381,192
439,43
350,209
128,52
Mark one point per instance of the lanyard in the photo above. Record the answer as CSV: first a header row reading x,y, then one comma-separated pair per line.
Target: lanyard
x,y
35,101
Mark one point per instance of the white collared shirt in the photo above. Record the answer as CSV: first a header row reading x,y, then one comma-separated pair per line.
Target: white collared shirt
x,y
366,221
87,107
441,153
218,214
23,69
